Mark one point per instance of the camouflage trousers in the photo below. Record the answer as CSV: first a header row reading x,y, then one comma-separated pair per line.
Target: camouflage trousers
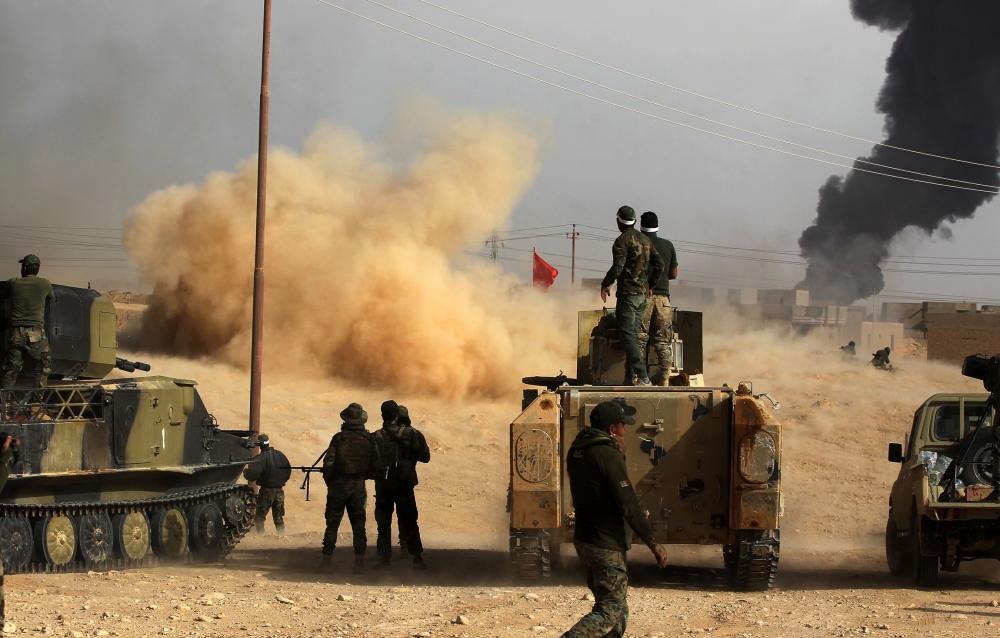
x,y
404,502
658,330
348,494
607,579
31,342
629,312
3,603
270,499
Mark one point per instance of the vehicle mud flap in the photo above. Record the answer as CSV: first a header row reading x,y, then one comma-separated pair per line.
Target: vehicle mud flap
x,y
530,557
752,562
925,566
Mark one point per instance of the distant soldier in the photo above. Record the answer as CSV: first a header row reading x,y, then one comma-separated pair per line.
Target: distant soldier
x,y
637,267
350,460
402,447
657,322
880,359
27,337
849,350
271,470
10,454
604,502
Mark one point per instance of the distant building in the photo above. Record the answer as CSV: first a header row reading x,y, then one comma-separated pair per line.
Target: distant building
x,y
953,336
741,296
912,315
783,297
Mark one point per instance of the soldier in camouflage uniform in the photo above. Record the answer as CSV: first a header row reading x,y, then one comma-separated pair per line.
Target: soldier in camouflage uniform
x,y
27,337
604,501
271,470
10,454
637,267
350,460
657,322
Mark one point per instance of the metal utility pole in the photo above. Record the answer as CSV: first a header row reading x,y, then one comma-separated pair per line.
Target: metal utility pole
x,y
257,334
572,272
494,243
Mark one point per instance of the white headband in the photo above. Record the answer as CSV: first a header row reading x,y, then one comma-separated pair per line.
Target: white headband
x,y
649,230
627,222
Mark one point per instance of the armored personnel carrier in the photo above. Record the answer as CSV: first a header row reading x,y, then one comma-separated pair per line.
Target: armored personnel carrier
x,y
704,460
115,472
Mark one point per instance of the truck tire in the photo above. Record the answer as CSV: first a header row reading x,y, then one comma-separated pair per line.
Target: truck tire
x,y
979,470
752,563
898,551
925,568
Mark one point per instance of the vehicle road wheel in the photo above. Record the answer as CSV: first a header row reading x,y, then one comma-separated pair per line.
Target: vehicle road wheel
x,y
131,535
15,542
96,538
898,551
924,567
169,529
206,525
56,540
235,508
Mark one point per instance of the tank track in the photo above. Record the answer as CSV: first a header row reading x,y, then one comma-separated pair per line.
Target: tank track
x,y
184,500
530,557
752,563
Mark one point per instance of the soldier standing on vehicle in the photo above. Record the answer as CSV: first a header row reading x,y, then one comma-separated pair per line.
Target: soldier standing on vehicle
x,y
27,337
271,470
10,454
350,460
604,501
849,350
402,447
637,267
657,322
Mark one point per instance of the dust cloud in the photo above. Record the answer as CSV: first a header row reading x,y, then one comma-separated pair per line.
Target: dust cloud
x,y
366,280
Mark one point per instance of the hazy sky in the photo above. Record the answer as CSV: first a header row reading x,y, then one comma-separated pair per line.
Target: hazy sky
x,y
104,102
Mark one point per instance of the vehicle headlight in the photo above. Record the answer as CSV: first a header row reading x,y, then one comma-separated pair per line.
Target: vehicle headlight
x,y
757,457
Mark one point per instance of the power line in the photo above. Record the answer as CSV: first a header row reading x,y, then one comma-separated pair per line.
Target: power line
x,y
650,115
699,95
670,108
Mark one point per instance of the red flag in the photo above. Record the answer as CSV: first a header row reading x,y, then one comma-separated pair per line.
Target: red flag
x,y
543,274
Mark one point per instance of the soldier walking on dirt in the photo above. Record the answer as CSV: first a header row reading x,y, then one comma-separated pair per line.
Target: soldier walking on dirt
x,y
604,501
402,447
350,461
27,337
10,454
657,322
271,470
637,267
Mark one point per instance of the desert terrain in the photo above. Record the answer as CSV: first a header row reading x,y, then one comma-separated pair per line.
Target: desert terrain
x,y
838,417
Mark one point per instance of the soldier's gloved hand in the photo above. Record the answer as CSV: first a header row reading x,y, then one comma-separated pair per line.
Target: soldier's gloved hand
x,y
660,554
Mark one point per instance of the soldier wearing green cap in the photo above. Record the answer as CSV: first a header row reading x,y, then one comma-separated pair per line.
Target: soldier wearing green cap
x,y
636,267
604,501
26,335
350,460
270,470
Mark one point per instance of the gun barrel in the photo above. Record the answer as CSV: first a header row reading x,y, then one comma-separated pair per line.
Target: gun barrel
x,y
131,366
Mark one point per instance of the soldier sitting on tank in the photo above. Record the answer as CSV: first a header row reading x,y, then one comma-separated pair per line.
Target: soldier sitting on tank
x,y
271,470
636,267
849,350
10,454
350,460
402,447
880,359
604,501
26,336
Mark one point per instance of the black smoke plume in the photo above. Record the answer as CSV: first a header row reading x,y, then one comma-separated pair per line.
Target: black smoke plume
x,y
941,96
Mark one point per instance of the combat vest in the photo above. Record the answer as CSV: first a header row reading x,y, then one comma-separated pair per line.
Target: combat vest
x,y
353,456
396,460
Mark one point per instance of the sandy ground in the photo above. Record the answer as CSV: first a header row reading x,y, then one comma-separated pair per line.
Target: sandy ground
x,y
838,417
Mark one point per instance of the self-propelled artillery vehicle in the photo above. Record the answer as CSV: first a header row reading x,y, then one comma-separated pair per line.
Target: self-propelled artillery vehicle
x,y
704,460
114,472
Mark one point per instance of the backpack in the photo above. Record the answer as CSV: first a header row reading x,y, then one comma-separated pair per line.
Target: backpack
x,y
354,453
396,458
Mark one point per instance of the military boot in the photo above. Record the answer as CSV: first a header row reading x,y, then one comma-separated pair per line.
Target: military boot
x,y
403,551
280,529
359,563
418,562
326,563
260,527
383,562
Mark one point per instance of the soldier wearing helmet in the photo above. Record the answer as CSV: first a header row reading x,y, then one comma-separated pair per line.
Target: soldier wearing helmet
x,y
350,460
271,470
26,336
849,350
